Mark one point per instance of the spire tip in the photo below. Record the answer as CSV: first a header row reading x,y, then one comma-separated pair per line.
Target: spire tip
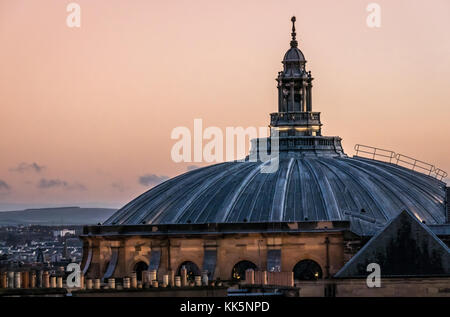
x,y
293,34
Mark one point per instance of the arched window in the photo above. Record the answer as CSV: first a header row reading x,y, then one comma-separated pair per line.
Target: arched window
x,y
192,270
139,267
238,272
307,270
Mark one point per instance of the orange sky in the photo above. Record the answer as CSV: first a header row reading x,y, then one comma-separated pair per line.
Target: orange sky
x,y
95,105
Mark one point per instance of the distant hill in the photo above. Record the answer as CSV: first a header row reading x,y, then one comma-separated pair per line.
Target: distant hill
x,y
55,216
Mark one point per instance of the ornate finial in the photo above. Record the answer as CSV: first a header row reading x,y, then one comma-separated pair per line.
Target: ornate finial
x,y
294,42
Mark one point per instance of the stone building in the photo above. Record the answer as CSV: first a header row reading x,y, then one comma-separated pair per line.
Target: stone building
x,y
310,216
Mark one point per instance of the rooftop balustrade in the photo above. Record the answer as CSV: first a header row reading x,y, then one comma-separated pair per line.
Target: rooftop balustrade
x,y
294,118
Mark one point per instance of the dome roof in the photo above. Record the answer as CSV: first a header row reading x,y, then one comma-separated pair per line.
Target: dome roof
x,y
366,192
294,55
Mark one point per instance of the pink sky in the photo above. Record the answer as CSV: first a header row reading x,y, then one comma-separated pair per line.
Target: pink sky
x,y
96,105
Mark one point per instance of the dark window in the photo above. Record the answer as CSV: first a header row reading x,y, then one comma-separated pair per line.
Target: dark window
x,y
238,272
307,270
139,268
192,270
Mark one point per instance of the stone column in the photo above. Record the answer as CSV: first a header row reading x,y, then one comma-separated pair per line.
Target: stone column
x,y
171,278
165,280
303,99
177,281
88,283
198,280
25,279
264,277
10,279
183,273
205,280
33,279
81,281
126,282
153,276
45,280
59,282
17,279
250,276
280,96
97,283
4,280
308,98
292,95
53,281
133,280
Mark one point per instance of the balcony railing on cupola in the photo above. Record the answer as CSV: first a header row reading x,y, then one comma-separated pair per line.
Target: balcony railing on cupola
x,y
378,154
294,118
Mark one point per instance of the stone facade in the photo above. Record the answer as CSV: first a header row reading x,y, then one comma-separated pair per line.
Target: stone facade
x,y
329,249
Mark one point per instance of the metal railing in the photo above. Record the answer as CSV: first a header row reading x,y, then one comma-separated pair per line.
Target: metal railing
x,y
440,174
378,154
414,164
374,152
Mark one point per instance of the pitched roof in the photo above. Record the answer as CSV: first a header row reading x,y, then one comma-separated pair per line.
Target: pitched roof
x,y
405,247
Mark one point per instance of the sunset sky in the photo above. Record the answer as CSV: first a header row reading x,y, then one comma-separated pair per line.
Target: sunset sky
x,y
87,113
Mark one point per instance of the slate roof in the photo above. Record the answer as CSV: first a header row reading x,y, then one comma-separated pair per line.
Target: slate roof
x,y
405,247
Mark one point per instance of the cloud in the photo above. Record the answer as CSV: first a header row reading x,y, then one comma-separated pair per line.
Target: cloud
x,y
77,186
152,179
25,167
118,186
58,183
4,185
192,167
49,183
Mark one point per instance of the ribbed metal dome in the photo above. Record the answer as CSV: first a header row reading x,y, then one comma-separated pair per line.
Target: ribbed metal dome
x,y
366,192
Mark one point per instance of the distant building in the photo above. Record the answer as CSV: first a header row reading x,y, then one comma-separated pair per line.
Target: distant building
x,y
63,232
